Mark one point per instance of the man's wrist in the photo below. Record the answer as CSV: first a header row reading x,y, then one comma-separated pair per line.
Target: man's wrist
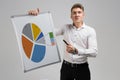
x,y
75,51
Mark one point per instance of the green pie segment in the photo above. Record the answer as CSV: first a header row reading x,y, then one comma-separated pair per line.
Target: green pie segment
x,y
32,42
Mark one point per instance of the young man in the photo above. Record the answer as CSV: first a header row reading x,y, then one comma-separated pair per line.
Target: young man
x,y
82,44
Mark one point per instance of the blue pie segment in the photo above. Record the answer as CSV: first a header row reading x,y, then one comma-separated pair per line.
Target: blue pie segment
x,y
38,53
40,36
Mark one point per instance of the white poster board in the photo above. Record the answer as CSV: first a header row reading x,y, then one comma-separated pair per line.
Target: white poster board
x,y
36,40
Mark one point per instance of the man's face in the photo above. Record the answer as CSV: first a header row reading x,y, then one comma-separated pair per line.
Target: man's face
x,y
77,15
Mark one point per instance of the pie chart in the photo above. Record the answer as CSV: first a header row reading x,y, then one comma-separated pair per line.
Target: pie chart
x,y
33,42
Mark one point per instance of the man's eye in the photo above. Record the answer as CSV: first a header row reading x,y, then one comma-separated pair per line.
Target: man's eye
x,y
74,12
79,12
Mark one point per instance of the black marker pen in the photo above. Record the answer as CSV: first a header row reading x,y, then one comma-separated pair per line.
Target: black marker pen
x,y
65,42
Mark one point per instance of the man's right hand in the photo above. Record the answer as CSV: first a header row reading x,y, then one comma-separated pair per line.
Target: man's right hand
x,y
34,12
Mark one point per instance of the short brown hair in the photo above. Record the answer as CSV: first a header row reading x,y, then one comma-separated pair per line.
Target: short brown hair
x,y
77,5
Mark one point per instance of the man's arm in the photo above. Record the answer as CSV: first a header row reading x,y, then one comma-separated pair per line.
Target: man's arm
x,y
92,49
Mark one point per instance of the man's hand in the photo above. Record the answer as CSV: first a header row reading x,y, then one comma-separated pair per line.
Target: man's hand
x,y
34,12
71,49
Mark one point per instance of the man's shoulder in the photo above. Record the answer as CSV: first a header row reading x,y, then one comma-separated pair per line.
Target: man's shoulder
x,y
68,26
89,27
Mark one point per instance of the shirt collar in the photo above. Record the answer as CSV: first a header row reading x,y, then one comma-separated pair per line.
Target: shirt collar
x,y
82,27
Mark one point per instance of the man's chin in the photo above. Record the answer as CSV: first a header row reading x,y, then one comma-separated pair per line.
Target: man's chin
x,y
77,21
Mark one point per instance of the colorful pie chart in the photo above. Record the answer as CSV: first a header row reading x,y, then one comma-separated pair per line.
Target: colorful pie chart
x,y
33,42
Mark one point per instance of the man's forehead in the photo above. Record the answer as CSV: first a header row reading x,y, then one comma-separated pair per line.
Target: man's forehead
x,y
77,9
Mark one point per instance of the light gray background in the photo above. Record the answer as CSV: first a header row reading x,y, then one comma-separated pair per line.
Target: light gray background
x,y
103,15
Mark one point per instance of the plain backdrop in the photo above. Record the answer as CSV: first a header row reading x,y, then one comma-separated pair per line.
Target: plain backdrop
x,y
103,15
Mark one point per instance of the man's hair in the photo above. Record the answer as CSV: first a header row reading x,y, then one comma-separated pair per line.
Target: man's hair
x,y
77,5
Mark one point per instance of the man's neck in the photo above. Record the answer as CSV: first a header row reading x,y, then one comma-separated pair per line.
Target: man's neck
x,y
78,25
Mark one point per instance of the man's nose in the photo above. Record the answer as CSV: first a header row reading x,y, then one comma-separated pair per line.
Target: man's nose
x,y
77,14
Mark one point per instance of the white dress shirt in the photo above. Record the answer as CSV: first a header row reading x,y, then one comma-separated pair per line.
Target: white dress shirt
x,y
83,39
